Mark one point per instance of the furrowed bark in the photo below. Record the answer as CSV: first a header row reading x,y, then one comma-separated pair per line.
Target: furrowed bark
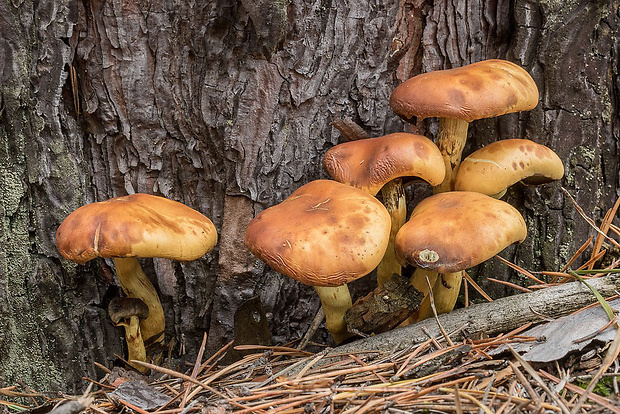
x,y
228,109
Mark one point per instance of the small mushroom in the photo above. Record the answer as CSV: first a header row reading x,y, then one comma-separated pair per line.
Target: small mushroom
x,y
459,96
129,227
450,232
497,166
381,164
326,234
128,312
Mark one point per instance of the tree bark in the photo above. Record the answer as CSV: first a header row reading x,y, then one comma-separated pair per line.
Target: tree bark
x,y
226,107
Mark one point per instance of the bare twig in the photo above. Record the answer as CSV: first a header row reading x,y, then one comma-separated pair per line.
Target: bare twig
x,y
432,302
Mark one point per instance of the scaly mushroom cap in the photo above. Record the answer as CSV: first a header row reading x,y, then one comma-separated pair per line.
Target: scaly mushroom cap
x,y
368,164
324,234
453,231
494,168
479,90
138,225
121,308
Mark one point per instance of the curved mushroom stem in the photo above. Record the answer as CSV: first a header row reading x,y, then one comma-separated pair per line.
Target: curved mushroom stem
x,y
135,343
451,140
445,293
335,301
395,203
136,284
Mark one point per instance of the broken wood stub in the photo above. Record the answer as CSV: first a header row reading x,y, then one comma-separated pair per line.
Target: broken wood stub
x,y
384,308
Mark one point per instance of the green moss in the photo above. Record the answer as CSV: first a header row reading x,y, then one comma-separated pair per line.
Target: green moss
x,y
22,348
11,190
21,352
604,387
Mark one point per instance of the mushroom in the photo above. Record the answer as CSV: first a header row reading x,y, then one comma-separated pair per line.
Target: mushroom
x,y
326,234
459,96
381,164
450,232
127,312
129,227
497,166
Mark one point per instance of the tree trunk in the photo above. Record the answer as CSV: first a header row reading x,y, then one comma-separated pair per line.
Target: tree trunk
x,y
226,107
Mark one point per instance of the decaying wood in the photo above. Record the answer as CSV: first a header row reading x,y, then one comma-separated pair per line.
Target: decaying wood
x,y
349,130
491,318
384,308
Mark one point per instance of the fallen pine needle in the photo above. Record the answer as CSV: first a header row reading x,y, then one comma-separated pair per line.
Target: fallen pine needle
x,y
512,285
476,287
519,269
580,391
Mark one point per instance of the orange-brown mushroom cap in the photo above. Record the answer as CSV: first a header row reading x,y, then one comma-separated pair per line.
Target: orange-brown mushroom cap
x,y
453,231
138,225
324,234
370,163
479,90
497,166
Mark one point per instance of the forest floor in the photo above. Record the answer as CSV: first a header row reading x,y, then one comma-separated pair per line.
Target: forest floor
x,y
434,377
478,374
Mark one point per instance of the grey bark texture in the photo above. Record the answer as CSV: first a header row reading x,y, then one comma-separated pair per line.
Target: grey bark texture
x,y
226,107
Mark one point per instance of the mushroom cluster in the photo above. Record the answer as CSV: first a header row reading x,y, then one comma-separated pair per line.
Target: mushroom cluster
x,y
384,165
462,225
459,227
331,232
328,233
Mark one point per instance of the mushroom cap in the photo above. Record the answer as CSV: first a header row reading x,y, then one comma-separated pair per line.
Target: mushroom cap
x,y
495,167
370,163
324,234
138,225
453,231
479,90
124,307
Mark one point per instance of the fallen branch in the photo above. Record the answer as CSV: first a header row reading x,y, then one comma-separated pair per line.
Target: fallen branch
x,y
384,308
492,318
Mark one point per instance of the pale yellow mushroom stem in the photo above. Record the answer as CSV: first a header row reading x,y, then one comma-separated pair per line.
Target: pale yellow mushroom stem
x,y
335,301
451,139
135,343
418,281
394,200
136,284
445,293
